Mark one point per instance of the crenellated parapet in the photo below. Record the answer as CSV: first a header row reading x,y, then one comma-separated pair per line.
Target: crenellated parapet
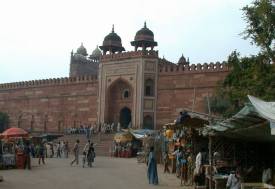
x,y
130,54
50,82
194,68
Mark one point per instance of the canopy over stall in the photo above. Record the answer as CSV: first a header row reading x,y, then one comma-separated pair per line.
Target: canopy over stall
x,y
142,133
14,132
265,109
246,124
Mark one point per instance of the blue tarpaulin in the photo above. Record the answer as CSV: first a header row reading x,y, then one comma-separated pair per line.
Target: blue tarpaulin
x,y
141,133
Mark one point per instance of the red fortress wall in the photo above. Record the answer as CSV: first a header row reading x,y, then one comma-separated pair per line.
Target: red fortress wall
x,y
186,86
50,105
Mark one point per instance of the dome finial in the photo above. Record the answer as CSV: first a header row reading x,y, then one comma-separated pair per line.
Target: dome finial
x,y
113,28
145,25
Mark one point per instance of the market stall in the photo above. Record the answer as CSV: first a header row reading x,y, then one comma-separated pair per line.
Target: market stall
x,y
122,145
143,140
244,141
12,147
185,136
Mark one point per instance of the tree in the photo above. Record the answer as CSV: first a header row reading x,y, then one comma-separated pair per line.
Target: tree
x,y
4,121
250,75
260,19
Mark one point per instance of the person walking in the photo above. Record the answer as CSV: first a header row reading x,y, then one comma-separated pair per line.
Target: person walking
x,y
27,151
166,162
85,152
58,150
51,150
76,153
41,153
91,155
152,172
66,149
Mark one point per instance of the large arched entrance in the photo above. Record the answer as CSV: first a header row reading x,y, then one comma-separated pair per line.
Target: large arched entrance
x,y
120,103
125,117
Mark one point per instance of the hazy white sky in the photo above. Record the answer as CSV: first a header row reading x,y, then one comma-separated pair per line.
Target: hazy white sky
x,y
37,36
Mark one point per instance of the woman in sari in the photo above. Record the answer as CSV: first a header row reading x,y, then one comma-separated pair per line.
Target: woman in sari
x,y
152,172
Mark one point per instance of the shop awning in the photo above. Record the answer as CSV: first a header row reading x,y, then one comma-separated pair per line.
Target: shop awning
x,y
250,123
14,132
195,120
266,110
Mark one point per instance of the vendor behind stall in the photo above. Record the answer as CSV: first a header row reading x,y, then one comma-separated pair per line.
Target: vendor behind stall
x,y
234,180
182,116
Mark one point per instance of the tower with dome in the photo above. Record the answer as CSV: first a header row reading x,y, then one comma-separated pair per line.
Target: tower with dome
x,y
81,64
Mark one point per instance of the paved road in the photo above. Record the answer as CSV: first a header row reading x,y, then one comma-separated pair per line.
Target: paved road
x,y
107,173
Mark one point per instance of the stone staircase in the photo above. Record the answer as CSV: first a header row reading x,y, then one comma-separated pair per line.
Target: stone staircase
x,y
102,143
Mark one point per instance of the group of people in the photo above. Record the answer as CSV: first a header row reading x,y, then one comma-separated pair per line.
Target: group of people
x,y
88,154
184,164
82,129
90,129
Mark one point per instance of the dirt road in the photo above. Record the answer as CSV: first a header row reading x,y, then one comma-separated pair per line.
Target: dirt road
x,y
107,173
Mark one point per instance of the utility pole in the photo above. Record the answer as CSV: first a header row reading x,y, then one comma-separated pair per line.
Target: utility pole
x,y
210,143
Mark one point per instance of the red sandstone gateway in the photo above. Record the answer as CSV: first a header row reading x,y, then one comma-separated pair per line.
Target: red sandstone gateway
x,y
13,133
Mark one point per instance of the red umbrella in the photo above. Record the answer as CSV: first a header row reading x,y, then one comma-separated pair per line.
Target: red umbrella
x,y
14,132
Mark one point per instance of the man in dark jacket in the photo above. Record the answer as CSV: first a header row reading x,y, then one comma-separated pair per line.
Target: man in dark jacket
x,y
27,153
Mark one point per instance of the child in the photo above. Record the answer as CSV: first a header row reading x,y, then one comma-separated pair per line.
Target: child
x,y
84,159
166,162
91,156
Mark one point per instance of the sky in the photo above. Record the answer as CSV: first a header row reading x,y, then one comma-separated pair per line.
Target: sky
x,y
37,36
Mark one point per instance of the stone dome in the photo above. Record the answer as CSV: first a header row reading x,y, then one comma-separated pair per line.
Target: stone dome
x,y
82,50
144,38
96,52
144,34
112,39
183,60
112,43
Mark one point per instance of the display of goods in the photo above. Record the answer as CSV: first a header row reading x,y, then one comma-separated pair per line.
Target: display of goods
x,y
169,133
123,137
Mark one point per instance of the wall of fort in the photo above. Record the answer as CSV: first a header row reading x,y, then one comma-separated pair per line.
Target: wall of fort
x,y
52,104
184,86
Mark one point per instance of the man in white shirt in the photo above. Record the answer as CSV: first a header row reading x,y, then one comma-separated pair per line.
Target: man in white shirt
x,y
118,127
76,153
234,181
198,163
86,147
267,175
